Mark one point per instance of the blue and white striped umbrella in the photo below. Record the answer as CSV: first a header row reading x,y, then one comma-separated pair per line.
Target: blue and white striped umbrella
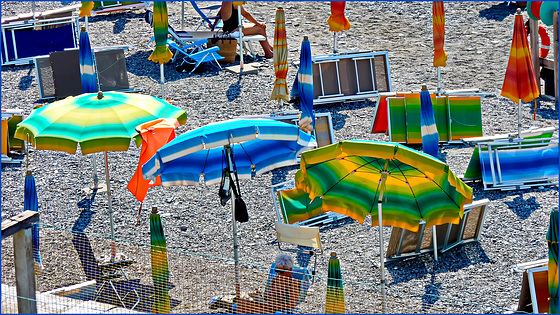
x,y
87,67
31,202
258,145
430,137
303,85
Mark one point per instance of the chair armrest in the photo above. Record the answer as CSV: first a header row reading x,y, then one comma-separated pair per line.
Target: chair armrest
x,y
197,43
107,277
115,265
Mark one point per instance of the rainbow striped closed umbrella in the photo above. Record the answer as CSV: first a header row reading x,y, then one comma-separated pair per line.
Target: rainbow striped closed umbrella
x,y
334,303
520,82
160,267
161,53
552,239
438,21
280,91
409,187
337,21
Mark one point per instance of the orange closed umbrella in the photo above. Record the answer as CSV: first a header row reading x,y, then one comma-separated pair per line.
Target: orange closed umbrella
x,y
155,134
520,81
438,26
338,21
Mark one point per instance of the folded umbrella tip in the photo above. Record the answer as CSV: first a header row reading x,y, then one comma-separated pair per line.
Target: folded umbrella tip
x,y
154,210
99,95
518,11
424,87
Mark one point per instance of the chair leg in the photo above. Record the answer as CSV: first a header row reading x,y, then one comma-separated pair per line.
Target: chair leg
x,y
117,293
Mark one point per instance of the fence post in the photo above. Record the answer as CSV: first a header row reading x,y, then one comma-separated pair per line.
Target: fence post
x,y
25,272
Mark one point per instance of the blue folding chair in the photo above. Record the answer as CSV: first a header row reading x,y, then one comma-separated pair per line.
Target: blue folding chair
x,y
198,54
208,21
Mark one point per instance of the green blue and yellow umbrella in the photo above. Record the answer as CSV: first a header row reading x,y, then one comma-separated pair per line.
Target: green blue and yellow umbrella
x,y
552,240
160,267
95,122
395,185
297,206
161,53
280,90
334,303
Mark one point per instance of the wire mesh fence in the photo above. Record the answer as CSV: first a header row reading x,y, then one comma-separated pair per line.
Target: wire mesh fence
x,y
79,277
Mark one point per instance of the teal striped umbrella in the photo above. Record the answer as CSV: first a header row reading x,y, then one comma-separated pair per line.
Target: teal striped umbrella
x,y
160,267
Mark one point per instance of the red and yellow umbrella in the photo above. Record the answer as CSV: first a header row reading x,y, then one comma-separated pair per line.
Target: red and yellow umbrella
x,y
438,18
520,81
338,21
280,91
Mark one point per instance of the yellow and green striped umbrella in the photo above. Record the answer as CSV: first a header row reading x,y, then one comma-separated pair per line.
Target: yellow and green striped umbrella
x,y
97,122
160,267
161,53
334,303
351,176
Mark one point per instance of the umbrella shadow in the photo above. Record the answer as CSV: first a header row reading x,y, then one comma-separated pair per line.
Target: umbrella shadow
x,y
119,20
234,90
529,206
26,81
498,12
545,112
431,295
86,215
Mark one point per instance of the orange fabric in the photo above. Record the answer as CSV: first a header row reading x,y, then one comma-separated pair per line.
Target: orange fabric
x,y
155,134
337,21
438,20
85,9
520,81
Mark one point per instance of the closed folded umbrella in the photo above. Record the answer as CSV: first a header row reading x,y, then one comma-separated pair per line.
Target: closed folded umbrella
x,y
31,202
280,48
337,21
520,83
87,66
438,26
160,267
303,87
334,303
161,53
430,137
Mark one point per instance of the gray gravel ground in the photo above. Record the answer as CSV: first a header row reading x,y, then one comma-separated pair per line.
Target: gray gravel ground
x,y
478,39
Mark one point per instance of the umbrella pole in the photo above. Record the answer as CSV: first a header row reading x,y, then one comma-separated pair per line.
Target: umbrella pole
x,y
384,174
182,15
334,43
240,40
162,80
235,243
95,178
113,248
519,119
438,81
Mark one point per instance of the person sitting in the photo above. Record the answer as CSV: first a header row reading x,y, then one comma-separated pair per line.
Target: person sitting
x,y
282,293
229,14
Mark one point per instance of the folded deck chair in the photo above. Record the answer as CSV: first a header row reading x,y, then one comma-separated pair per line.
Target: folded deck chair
x,y
199,54
211,20
107,276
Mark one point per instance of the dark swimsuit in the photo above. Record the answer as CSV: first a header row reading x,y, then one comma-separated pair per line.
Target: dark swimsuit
x,y
232,23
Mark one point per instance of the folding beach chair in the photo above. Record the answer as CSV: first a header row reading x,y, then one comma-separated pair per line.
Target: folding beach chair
x,y
107,276
210,18
198,54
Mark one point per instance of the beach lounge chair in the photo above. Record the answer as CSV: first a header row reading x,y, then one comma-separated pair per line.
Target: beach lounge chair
x,y
107,276
198,55
210,18
10,119
404,243
534,296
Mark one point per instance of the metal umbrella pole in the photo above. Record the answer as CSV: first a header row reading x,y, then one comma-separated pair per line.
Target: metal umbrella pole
x,y
240,39
230,167
110,203
384,174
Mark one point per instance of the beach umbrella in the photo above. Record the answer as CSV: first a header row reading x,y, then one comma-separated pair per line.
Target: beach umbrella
x,y
408,187
85,9
161,53
110,124
280,91
430,137
297,206
440,56
160,267
552,240
246,147
337,21
155,134
31,202
520,83
334,303
87,66
303,87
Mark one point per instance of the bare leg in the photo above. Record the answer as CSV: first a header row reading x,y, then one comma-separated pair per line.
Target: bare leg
x,y
257,30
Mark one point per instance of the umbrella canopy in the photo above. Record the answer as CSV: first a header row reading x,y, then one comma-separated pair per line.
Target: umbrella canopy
x,y
409,187
338,21
155,134
334,303
246,147
430,137
280,91
348,178
552,239
297,206
85,9
87,67
31,202
438,21
110,124
161,53
160,268
303,87
259,145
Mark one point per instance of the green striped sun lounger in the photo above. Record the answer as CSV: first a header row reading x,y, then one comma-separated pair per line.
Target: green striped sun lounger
x,y
465,117
396,116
